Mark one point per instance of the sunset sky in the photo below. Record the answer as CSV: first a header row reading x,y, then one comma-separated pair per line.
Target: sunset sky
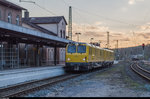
x,y
127,20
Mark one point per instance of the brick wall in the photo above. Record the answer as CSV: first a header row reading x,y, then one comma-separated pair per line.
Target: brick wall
x,y
4,14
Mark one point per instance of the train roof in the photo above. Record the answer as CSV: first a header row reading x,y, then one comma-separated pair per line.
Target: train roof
x,y
91,46
100,48
109,50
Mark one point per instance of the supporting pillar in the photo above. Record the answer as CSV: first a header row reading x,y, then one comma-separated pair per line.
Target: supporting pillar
x,y
37,56
55,55
2,57
11,55
18,59
26,57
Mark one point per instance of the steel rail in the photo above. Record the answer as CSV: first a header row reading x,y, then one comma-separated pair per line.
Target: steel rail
x,y
24,83
4,92
139,70
29,89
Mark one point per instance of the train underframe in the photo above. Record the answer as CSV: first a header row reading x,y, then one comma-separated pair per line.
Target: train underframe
x,y
87,66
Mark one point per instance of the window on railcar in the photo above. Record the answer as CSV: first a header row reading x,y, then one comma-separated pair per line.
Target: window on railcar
x,y
95,51
81,49
100,53
71,49
90,51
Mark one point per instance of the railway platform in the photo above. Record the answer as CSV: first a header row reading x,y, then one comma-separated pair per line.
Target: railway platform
x,y
17,76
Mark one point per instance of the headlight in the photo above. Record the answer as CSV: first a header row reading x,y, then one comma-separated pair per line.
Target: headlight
x,y
68,59
83,59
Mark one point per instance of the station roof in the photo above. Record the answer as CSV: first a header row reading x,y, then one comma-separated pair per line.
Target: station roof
x,y
27,21
46,20
29,34
91,45
34,21
11,5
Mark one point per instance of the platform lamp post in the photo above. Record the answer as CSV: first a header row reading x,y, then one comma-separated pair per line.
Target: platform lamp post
x,y
143,46
107,39
78,36
99,43
91,40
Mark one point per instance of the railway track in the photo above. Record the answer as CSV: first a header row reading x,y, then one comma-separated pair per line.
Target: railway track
x,y
28,87
24,88
140,71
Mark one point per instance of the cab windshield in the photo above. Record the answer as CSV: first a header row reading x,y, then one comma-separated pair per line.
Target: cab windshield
x,y
81,49
71,49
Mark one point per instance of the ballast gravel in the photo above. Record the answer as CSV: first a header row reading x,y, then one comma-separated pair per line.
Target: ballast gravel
x,y
112,82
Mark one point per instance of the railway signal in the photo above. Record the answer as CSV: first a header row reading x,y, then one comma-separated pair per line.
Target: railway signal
x,y
143,46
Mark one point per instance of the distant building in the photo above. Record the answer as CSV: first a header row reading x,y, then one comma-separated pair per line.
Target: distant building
x,y
51,25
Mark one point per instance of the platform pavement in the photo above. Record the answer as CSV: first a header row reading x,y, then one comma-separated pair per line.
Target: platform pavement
x,y
16,76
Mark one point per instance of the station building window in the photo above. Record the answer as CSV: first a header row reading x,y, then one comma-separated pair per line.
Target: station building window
x,y
9,18
17,20
61,35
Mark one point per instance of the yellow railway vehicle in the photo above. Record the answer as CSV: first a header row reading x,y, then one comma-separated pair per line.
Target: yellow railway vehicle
x,y
83,57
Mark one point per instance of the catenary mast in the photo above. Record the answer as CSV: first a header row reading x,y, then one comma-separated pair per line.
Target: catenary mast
x,y
70,23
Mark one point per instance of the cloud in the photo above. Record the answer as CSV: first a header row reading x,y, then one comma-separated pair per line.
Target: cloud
x,y
124,9
94,34
92,27
145,27
125,39
98,23
144,36
98,31
95,28
132,2
117,34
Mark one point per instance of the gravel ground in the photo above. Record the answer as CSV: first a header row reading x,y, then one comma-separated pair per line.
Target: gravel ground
x,y
145,65
117,81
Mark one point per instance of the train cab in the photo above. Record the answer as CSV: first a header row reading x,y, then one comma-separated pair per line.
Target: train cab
x,y
76,56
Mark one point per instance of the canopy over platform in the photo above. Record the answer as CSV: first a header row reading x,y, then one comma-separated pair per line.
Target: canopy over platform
x,y
18,34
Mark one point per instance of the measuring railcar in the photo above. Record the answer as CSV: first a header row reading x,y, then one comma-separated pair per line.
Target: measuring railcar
x,y
84,57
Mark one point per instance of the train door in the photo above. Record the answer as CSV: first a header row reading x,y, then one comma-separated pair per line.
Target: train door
x,y
93,54
105,55
90,54
101,55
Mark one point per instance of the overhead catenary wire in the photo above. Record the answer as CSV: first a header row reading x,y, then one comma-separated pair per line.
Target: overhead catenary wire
x,y
89,13
65,2
104,17
118,21
38,6
107,18
45,9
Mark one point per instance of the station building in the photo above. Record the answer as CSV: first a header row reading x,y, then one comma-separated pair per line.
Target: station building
x,y
55,26
30,41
